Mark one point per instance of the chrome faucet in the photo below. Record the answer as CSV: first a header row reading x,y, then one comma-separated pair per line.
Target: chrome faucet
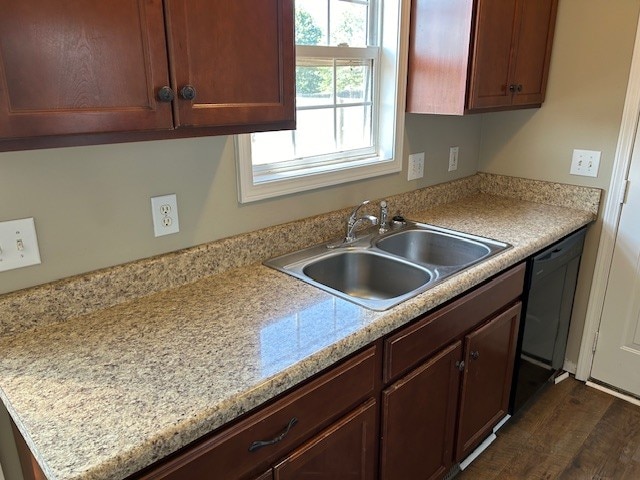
x,y
354,220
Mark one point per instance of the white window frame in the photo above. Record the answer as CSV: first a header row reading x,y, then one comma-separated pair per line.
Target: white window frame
x,y
389,123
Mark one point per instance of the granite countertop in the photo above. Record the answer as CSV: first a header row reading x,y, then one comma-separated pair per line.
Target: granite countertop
x,y
104,394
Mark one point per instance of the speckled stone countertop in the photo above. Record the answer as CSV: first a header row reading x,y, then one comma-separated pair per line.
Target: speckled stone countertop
x,y
105,393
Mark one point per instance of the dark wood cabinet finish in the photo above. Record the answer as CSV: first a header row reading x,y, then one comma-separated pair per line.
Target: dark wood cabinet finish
x,y
460,392
346,450
238,57
486,383
92,72
227,455
481,55
82,67
419,413
413,344
268,475
511,54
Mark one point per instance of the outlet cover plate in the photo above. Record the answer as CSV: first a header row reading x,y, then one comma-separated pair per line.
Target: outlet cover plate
x,y
18,244
164,211
453,158
416,166
585,163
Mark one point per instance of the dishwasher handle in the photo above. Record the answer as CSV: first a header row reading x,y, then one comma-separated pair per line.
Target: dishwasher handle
x,y
557,255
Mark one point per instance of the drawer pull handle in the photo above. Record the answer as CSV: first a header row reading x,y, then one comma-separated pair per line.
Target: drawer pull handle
x,y
265,443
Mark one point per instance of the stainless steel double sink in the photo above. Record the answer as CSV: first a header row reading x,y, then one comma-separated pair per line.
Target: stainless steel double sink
x,y
380,270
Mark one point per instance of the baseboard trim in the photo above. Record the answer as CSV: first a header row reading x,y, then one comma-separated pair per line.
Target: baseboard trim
x,y
615,393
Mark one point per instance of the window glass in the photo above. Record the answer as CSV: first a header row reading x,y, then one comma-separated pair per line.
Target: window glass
x,y
349,102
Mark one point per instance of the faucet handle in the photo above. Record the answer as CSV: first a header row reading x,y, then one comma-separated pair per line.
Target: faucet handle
x,y
354,214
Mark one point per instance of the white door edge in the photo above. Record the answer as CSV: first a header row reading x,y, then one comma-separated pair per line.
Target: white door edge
x,y
611,214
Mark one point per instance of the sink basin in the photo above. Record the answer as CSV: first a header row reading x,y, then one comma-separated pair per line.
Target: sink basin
x,y
379,271
434,248
367,275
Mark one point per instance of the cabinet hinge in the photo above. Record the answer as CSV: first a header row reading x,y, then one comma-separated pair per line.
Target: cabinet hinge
x,y
625,192
595,342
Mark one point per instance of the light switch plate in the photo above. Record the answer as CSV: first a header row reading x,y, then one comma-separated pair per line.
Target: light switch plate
x,y
453,158
585,163
18,244
416,166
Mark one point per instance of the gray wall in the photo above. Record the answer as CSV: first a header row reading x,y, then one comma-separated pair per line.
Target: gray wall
x,y
91,204
590,66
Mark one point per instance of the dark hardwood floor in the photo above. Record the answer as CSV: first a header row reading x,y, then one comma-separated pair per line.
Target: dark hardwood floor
x,y
570,431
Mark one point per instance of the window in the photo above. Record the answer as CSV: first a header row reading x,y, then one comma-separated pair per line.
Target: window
x,y
350,72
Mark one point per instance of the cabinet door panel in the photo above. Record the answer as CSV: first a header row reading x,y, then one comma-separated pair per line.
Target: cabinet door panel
x,y
238,55
418,419
486,384
81,67
534,50
346,450
490,74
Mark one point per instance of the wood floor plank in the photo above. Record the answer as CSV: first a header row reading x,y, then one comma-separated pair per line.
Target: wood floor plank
x,y
554,444
512,438
611,450
543,440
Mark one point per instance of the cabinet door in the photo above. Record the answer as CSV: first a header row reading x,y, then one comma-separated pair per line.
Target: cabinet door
x,y
346,450
533,50
81,67
418,419
486,384
238,56
268,475
490,67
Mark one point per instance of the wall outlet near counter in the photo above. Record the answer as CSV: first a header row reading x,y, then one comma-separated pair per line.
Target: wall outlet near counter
x,y
453,158
416,166
585,163
18,244
164,210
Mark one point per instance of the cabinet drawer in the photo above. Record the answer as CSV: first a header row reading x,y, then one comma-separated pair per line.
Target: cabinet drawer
x,y
415,343
227,455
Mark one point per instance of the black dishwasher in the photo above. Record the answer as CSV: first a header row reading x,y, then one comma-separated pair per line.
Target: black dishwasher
x,y
549,290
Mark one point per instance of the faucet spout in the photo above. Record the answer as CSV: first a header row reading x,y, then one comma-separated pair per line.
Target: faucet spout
x,y
354,222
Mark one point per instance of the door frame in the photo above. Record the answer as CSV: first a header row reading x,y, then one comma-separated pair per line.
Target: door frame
x,y
611,215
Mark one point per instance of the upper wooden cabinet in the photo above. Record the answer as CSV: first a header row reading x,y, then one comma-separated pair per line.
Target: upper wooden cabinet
x,y
78,67
484,55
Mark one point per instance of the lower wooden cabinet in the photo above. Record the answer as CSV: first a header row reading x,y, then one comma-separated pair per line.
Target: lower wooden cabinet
x,y
346,451
449,399
419,414
486,383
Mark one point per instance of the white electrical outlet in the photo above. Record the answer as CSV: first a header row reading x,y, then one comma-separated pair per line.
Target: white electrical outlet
x,y
453,158
164,210
585,163
18,244
416,166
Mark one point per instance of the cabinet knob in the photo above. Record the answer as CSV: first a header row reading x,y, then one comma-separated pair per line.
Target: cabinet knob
x,y
165,94
475,355
512,88
519,88
188,92
460,365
